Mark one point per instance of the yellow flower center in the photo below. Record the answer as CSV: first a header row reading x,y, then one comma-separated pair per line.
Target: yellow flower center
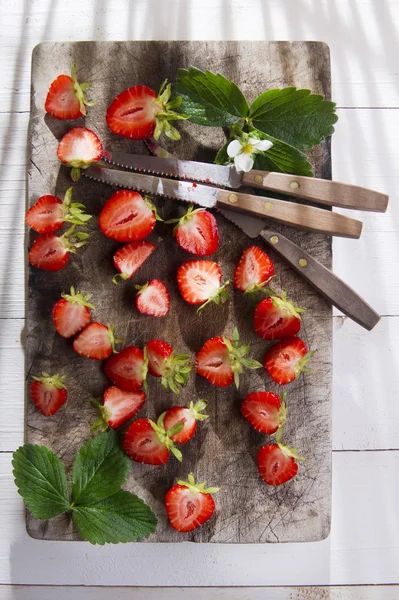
x,y
247,149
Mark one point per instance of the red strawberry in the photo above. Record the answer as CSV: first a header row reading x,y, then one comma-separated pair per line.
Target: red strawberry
x,y
276,462
130,257
138,113
65,98
265,411
197,232
221,360
49,213
127,369
128,217
48,393
277,318
118,407
187,416
147,442
189,505
287,359
253,271
153,298
199,282
71,313
164,362
96,341
50,252
79,148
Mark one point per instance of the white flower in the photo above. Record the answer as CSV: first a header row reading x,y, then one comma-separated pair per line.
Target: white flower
x,y
243,151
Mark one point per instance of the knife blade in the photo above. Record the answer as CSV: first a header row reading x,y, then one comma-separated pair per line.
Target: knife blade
x,y
321,191
289,213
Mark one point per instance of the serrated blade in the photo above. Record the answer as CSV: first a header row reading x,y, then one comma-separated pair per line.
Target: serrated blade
x,y
155,186
249,225
220,175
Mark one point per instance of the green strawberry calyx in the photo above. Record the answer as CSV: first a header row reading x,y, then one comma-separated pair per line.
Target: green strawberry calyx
x,y
78,298
237,353
55,380
198,488
165,436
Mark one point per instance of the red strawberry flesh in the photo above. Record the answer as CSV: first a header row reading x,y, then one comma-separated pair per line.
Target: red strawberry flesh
x,y
197,232
286,360
70,318
79,148
274,466
94,342
48,253
262,410
198,280
254,269
178,414
125,368
213,363
153,299
61,101
121,405
157,353
142,444
130,257
48,393
132,113
46,215
126,217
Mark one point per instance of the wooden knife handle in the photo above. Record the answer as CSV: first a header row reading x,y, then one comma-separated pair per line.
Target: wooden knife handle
x,y
329,285
321,191
290,213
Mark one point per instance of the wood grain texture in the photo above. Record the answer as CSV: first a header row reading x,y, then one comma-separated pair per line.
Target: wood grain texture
x,y
224,449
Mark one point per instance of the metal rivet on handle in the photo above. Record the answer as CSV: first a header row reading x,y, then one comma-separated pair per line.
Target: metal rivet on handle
x,y
302,262
268,206
258,178
274,239
233,198
294,185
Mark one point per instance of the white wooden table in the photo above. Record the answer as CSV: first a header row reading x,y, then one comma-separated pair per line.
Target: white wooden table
x,y
363,547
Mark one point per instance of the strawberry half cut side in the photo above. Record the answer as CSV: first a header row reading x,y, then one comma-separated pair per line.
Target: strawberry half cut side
x,y
148,442
50,252
129,259
127,369
48,393
199,283
164,362
277,462
153,298
197,232
49,213
187,416
128,217
287,359
65,98
277,318
265,411
78,149
253,271
96,341
189,505
71,313
119,406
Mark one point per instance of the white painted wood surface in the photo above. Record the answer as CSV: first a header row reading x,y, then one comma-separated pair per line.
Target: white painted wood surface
x,y
364,544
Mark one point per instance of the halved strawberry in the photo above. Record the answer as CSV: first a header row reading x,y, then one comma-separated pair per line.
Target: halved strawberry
x,y
118,407
79,148
130,257
277,318
221,360
265,411
65,98
48,393
164,362
276,462
199,282
153,298
96,341
187,416
49,213
128,217
147,442
197,232
253,271
127,369
138,113
189,505
50,252
286,360
71,313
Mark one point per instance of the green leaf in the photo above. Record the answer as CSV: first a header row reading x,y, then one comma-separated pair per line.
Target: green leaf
x,y
100,468
41,480
298,117
282,158
122,517
222,158
209,98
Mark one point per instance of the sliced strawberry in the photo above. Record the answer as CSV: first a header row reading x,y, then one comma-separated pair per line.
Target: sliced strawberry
x,y
221,360
128,217
50,252
265,411
79,148
277,462
164,362
118,407
96,341
138,113
48,393
199,282
130,257
71,313
253,271
286,360
277,318
65,98
127,369
197,232
189,505
147,442
153,298
187,416
49,213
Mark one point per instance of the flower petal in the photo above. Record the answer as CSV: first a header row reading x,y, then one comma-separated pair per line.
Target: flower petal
x,y
243,162
263,145
234,148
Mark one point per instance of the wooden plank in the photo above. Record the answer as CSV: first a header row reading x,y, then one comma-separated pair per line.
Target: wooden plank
x,y
375,592
363,547
299,511
365,70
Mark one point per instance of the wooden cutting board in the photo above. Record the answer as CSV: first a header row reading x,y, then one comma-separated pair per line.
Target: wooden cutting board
x,y
223,451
